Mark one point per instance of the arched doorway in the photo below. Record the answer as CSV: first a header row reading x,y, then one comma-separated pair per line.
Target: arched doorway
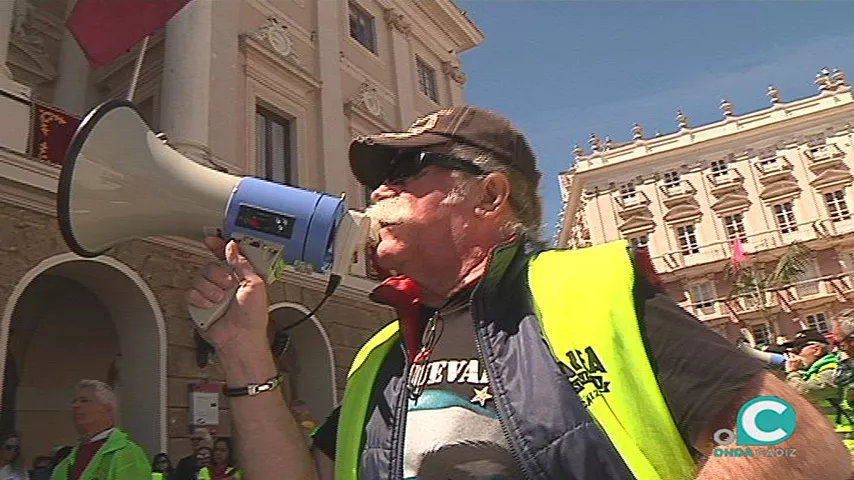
x,y
308,363
71,318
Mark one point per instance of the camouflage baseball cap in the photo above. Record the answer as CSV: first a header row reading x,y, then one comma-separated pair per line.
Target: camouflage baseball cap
x,y
371,155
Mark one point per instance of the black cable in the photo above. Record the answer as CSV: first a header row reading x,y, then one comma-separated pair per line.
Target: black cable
x,y
281,340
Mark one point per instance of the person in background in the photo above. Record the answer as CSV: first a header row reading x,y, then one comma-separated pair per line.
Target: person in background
x,y
59,454
203,459
11,461
42,466
187,467
161,467
104,452
222,465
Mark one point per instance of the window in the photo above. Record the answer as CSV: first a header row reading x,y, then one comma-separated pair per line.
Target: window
x,y
837,208
362,27
672,179
273,146
720,167
806,286
761,333
703,298
687,235
628,194
427,79
785,215
817,321
639,241
734,226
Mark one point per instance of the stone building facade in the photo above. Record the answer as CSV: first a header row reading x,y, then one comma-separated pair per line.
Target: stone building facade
x,y
772,178
268,88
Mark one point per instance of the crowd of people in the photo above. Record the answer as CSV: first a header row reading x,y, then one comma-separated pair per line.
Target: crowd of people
x,y
105,452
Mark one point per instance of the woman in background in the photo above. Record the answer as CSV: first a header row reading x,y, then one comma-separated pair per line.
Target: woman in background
x,y
222,466
11,461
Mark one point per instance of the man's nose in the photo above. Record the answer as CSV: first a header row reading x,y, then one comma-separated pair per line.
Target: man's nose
x,y
383,192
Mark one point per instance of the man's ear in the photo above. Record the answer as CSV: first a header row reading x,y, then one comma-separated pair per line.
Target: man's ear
x,y
495,194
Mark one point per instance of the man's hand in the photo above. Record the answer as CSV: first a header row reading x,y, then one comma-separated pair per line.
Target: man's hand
x,y
246,319
794,363
270,443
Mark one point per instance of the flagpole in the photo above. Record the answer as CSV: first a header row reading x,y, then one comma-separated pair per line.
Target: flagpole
x,y
137,68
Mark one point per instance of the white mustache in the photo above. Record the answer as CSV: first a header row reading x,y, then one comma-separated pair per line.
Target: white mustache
x,y
390,210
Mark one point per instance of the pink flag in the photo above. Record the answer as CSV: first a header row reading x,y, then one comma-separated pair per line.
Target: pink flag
x,y
738,255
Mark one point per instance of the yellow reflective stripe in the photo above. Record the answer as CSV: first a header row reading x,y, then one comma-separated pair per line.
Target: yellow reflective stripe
x,y
378,339
357,396
585,304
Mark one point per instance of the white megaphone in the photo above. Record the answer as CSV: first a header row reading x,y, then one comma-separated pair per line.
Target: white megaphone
x,y
120,182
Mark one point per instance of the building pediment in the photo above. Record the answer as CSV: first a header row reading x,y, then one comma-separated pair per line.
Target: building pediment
x,y
831,177
682,213
731,202
780,189
637,224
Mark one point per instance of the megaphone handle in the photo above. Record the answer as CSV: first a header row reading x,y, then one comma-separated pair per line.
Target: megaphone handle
x,y
205,317
263,258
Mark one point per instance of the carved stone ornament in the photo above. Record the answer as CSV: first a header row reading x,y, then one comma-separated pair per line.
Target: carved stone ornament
x,y
726,107
397,21
773,94
454,71
822,79
681,119
595,144
367,99
277,37
838,78
577,151
27,36
637,132
607,143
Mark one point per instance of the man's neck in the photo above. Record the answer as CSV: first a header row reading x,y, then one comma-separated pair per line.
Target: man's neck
x,y
96,430
436,293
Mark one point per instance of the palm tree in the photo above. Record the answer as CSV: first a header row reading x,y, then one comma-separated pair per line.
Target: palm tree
x,y
754,281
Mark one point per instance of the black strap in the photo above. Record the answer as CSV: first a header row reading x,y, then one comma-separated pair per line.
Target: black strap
x,y
253,388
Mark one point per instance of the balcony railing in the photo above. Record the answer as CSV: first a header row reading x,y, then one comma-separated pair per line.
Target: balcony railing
x,y
631,201
677,191
824,153
724,181
772,168
720,250
786,299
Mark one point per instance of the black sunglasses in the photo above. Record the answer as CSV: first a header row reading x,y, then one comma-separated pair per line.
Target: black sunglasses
x,y
11,448
409,163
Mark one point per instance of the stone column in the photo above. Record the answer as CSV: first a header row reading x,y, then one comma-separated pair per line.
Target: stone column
x,y
402,55
334,138
186,87
72,83
7,10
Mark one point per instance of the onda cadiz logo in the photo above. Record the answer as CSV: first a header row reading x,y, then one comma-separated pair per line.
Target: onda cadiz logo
x,y
761,422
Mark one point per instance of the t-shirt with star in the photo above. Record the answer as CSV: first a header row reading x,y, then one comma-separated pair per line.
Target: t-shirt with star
x,y
452,429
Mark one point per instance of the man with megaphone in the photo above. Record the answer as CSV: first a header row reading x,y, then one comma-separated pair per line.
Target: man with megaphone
x,y
508,360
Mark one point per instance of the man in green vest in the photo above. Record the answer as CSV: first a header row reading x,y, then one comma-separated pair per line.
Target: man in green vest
x,y
843,333
507,360
104,451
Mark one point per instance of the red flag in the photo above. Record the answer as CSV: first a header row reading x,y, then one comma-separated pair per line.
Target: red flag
x,y
738,254
105,29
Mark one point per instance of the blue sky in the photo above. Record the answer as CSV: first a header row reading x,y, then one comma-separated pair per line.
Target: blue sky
x,y
561,70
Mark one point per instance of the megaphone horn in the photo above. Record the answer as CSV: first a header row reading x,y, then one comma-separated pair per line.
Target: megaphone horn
x,y
120,182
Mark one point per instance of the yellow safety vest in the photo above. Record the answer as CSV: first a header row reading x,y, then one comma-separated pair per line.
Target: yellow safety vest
x,y
584,298
205,474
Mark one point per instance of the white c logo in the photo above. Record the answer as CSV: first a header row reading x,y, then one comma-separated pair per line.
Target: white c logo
x,y
748,421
